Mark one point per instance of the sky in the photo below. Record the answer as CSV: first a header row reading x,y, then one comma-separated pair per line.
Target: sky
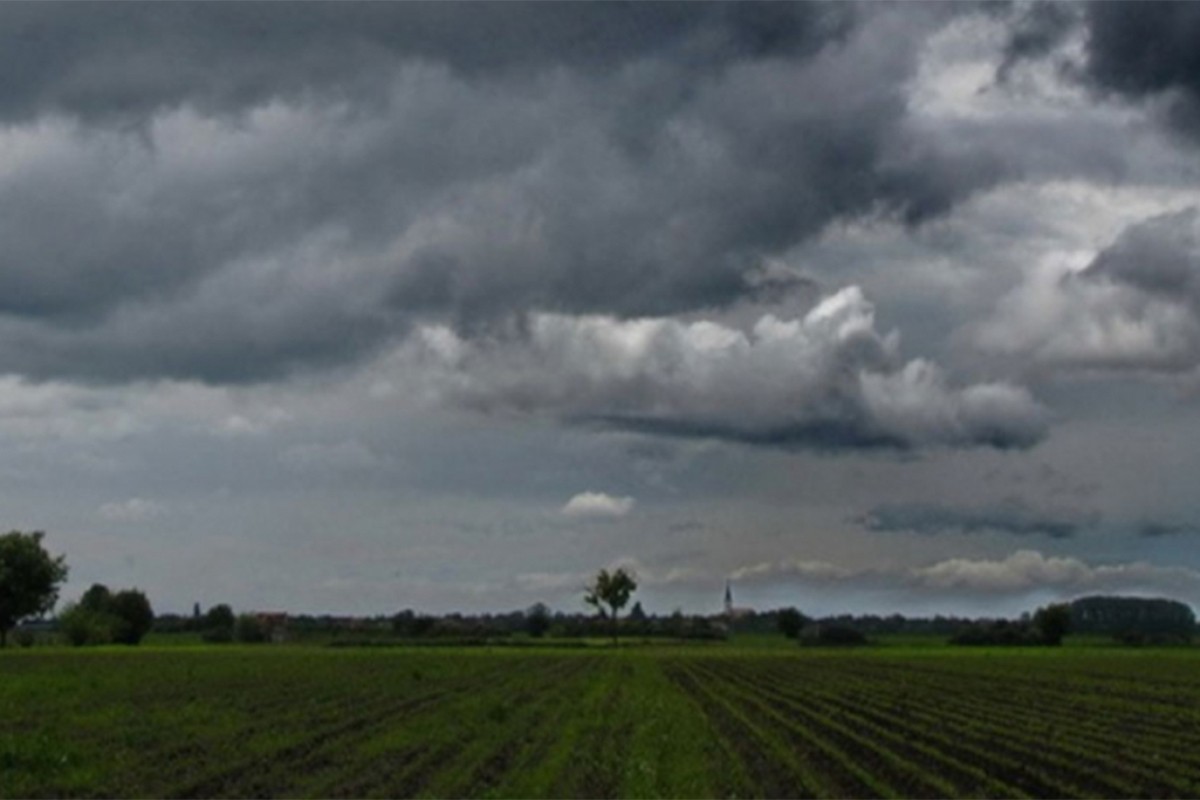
x,y
339,308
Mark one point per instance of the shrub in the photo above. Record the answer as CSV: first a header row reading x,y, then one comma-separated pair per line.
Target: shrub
x,y
82,626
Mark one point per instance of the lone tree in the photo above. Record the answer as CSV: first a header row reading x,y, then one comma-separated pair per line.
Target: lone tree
x,y
609,593
29,579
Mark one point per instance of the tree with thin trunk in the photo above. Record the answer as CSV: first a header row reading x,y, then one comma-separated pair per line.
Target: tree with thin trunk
x,y
609,593
29,579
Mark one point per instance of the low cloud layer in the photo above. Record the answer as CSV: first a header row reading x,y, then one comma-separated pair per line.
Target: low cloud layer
x,y
1021,572
1031,570
1009,516
799,569
825,380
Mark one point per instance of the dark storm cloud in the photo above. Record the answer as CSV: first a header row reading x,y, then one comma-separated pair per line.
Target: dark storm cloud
x,y
1011,516
1148,49
1139,51
233,192
125,62
831,435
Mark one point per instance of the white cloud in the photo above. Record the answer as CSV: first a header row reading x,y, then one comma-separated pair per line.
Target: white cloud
x,y
797,568
597,505
826,379
135,509
1030,570
1021,572
1024,569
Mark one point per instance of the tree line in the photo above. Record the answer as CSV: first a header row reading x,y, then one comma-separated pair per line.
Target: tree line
x,y
30,579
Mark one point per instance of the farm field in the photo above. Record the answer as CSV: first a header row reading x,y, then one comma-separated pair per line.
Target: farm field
x,y
636,722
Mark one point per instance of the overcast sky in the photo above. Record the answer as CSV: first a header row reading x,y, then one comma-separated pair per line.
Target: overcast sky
x,y
352,308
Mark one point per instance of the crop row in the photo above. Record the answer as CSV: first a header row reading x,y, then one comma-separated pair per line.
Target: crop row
x,y
261,727
935,736
302,722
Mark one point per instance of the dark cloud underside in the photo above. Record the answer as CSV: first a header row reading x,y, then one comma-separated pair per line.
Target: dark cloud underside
x,y
1011,516
1148,49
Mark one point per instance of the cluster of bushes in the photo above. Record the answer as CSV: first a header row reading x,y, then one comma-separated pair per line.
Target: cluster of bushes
x,y
221,625
538,622
218,625
1047,627
103,617
816,633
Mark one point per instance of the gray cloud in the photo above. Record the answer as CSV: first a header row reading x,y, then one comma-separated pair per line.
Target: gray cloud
x,y
827,380
135,509
1038,28
1135,307
1152,529
234,194
1011,516
112,63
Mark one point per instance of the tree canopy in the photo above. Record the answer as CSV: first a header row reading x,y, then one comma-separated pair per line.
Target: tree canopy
x,y
102,616
609,592
1126,615
29,579
790,622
